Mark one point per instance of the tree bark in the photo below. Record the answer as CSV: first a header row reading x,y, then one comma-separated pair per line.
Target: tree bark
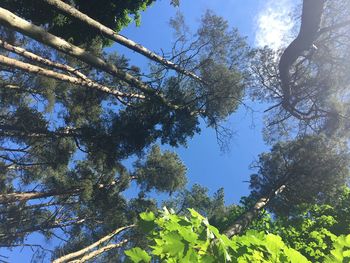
x,y
25,196
99,252
92,246
29,55
13,63
246,219
111,34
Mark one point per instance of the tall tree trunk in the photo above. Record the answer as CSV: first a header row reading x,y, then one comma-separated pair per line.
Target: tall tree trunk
x,y
13,63
92,246
25,196
99,252
246,219
109,33
29,55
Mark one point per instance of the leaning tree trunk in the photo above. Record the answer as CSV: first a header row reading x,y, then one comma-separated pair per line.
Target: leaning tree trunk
x,y
98,243
26,196
246,219
13,63
111,34
310,25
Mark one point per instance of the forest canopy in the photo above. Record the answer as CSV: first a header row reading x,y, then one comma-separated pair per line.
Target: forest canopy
x,y
80,125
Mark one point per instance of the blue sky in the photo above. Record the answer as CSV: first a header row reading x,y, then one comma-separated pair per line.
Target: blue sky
x,y
264,23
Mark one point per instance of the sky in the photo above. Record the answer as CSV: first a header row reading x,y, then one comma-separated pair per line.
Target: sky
x,y
263,23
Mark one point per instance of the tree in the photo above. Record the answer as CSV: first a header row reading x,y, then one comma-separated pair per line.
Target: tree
x,y
307,81
307,170
71,114
311,168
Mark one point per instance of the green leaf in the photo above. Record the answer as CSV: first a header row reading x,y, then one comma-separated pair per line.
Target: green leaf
x,y
173,244
137,255
188,234
147,224
195,214
147,216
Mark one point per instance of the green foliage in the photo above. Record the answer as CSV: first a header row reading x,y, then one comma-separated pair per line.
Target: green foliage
x,y
62,137
162,171
341,251
219,55
192,239
197,198
312,229
115,14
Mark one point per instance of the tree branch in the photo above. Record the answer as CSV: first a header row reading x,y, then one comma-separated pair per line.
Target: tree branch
x,y
25,196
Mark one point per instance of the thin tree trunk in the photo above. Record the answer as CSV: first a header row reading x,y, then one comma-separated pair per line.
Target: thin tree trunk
x,y
9,19
99,252
29,55
109,33
246,219
92,246
25,196
13,131
10,62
